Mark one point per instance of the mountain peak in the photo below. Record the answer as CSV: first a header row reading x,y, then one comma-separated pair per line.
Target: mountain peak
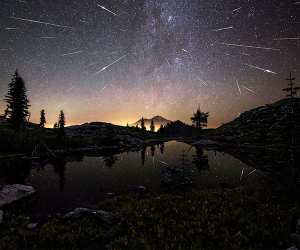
x,y
158,121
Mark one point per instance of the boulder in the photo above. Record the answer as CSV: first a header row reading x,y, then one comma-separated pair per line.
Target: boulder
x,y
32,226
296,239
104,216
12,193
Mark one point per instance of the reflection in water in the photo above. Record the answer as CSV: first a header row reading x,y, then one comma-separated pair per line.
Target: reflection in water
x,y
59,166
82,182
162,148
110,160
152,150
200,160
143,155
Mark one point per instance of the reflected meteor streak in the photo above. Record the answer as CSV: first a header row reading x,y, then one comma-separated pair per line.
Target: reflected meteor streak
x,y
249,46
40,22
226,28
102,7
262,69
109,65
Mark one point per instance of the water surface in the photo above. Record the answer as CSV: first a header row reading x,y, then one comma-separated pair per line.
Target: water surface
x,y
78,181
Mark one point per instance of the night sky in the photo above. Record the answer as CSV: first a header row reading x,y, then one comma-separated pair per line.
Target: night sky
x,y
116,60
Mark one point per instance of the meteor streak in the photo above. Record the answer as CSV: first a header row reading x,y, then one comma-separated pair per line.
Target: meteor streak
x,y
109,65
238,86
72,53
47,37
226,28
286,38
249,46
102,7
262,69
40,22
235,10
250,90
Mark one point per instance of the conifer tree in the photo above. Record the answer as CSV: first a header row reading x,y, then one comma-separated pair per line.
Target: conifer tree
x,y
17,102
143,124
161,129
199,119
61,122
42,118
152,126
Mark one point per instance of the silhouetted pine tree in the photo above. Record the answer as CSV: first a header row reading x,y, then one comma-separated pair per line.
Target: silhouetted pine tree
x,y
42,118
200,119
292,94
143,124
17,102
55,126
152,126
61,122
161,129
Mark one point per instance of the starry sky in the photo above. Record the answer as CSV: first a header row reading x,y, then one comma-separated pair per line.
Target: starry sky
x,y
118,60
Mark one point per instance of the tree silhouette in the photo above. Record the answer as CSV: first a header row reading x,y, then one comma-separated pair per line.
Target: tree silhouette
x,y
55,126
17,102
61,122
292,94
143,124
152,126
161,129
200,119
42,119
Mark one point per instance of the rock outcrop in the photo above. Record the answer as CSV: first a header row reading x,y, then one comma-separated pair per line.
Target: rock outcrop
x,y
12,193
270,124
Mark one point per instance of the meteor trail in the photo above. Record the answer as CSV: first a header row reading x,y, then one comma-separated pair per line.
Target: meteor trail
x,y
102,7
250,90
286,38
235,10
8,28
238,86
109,65
40,22
72,53
47,37
226,28
249,46
262,69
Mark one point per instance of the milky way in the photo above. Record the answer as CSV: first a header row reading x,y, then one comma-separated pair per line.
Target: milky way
x,y
116,60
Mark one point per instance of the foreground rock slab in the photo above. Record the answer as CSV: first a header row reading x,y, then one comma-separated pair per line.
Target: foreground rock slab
x,y
104,216
12,193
